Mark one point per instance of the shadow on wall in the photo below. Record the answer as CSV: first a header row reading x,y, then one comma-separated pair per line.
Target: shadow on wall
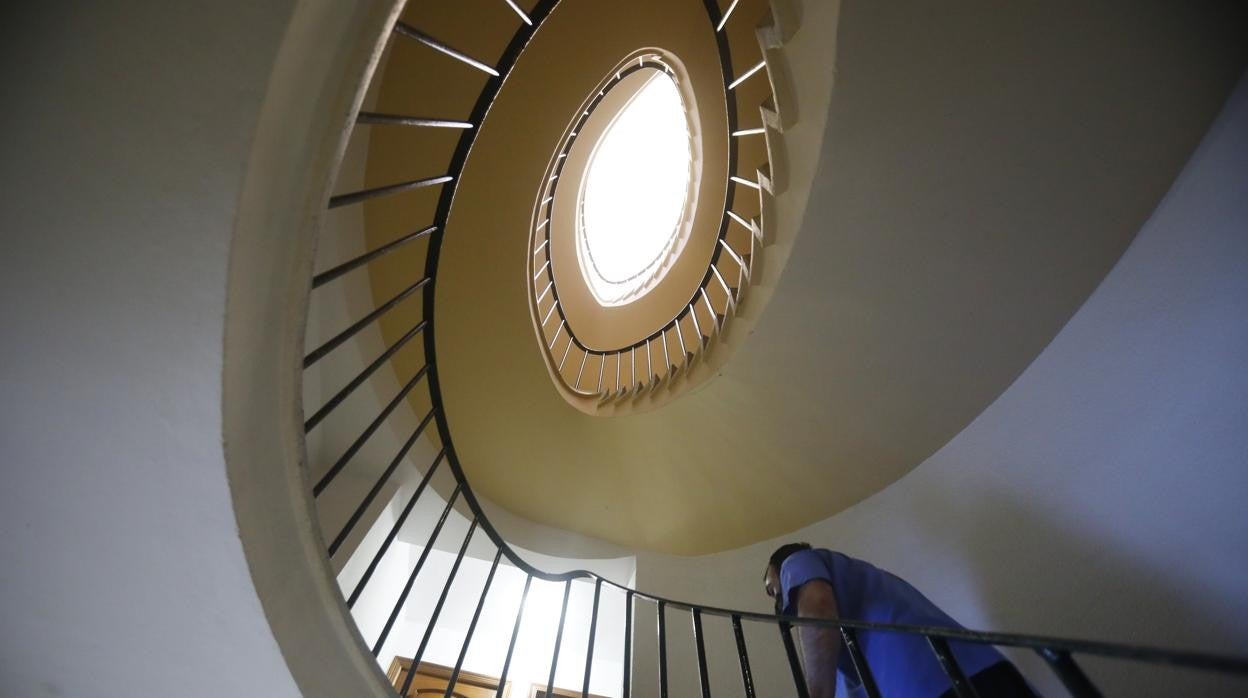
x,y
1091,580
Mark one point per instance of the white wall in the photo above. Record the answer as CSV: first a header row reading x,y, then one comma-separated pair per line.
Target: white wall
x,y
1102,495
126,136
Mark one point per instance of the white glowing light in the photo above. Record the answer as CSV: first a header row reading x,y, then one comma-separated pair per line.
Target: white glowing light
x,y
634,194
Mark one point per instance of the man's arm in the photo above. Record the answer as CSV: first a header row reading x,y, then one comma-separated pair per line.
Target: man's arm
x,y
820,646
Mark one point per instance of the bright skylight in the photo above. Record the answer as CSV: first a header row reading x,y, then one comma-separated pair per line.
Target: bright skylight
x,y
634,194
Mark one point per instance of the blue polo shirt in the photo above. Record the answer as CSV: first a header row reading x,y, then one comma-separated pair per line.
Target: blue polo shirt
x,y
903,665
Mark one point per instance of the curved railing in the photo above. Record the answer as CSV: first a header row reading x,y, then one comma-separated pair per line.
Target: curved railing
x,y
1058,653
653,360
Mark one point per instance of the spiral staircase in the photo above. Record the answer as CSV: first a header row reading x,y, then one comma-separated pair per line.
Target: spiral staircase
x,y
423,474
435,107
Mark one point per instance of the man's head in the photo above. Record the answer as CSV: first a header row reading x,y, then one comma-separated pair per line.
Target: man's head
x,y
771,578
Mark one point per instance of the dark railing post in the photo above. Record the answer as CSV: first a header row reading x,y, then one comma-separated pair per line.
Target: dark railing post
x,y
1069,672
795,665
704,681
850,637
437,610
472,626
554,660
515,632
662,628
743,657
381,482
593,629
411,579
628,644
394,532
961,687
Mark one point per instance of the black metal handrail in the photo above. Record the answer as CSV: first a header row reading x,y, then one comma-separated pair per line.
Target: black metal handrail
x,y
1057,652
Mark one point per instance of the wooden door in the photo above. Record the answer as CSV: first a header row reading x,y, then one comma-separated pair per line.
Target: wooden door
x,y
431,681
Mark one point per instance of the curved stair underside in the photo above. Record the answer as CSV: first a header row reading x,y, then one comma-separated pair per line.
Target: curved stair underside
x,y
943,190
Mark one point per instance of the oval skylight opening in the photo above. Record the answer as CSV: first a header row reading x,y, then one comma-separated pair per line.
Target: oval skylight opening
x,y
634,194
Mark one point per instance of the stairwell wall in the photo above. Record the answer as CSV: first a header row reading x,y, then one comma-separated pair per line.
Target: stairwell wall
x,y
1100,496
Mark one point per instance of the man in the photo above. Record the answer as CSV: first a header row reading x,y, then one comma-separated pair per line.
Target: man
x,y
824,584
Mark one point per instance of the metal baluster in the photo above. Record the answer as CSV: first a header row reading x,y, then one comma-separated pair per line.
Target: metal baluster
x,y
437,609
394,530
735,257
746,75
581,372
795,665
369,117
554,659
356,197
332,404
697,327
515,632
411,578
368,432
743,657
337,340
732,301
602,367
472,626
667,357
710,308
961,687
593,628
331,274
662,650
746,182
628,644
381,482
703,679
414,33
850,638
727,13
1069,672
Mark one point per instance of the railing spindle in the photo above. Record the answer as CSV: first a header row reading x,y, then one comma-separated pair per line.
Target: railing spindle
x,y
411,578
393,532
850,637
381,482
331,404
437,609
704,680
335,272
413,33
554,659
593,629
359,442
743,657
662,627
746,75
337,340
795,665
1068,671
628,644
961,687
368,117
515,632
472,626
356,197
